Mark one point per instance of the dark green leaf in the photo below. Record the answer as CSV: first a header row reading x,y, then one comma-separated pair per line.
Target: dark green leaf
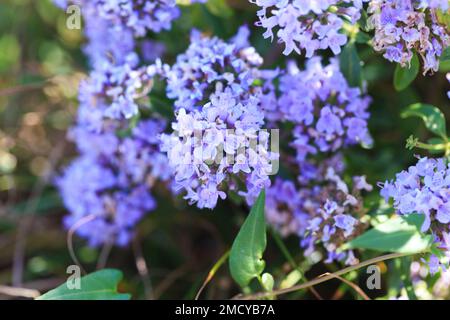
x,y
351,65
400,234
246,253
219,8
403,77
433,117
100,285
444,64
445,55
362,37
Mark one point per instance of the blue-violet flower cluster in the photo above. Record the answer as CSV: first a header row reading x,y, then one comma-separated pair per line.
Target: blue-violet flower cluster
x,y
405,27
425,189
326,112
308,25
320,208
217,142
107,188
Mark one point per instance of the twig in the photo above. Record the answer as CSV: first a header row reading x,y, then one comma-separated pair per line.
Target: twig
x,y
70,234
169,280
104,254
349,283
142,268
21,88
291,260
323,278
212,272
19,292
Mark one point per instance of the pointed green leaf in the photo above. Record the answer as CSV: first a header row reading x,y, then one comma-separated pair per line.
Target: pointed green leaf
x,y
246,253
400,234
100,285
350,65
433,117
404,76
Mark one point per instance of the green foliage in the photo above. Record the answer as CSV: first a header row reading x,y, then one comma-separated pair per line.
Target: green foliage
x,y
400,234
267,281
246,261
403,77
350,64
219,8
444,61
100,285
432,117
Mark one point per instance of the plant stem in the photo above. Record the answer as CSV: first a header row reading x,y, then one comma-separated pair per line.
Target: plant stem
x,y
405,264
324,278
212,272
291,260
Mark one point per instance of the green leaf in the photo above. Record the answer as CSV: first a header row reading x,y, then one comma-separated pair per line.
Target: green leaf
x,y
400,234
444,64
219,8
267,281
443,17
246,253
362,37
403,77
291,279
351,65
433,117
438,142
445,57
100,285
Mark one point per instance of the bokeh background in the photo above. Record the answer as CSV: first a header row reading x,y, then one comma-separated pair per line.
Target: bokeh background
x,y
41,64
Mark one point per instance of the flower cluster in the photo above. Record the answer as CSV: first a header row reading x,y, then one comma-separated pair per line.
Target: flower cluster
x,y
308,25
208,61
425,189
320,208
217,142
136,15
117,88
107,188
405,27
326,112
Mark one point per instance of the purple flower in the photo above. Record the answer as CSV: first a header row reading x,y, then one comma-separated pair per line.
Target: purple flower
x,y
424,189
307,25
403,27
217,143
108,186
319,208
304,100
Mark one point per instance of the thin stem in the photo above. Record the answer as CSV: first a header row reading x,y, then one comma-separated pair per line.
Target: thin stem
x,y
405,264
433,147
351,285
70,234
212,272
141,265
291,260
19,292
325,278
